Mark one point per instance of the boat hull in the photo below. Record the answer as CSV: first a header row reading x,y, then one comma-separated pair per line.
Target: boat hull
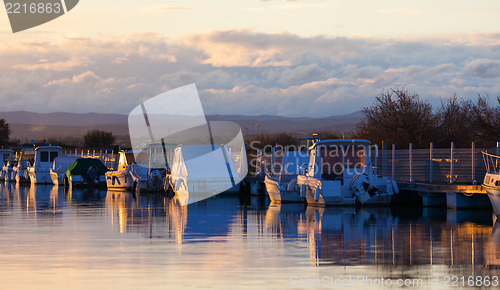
x,y
119,180
494,196
278,195
40,177
7,174
21,176
334,193
57,179
125,180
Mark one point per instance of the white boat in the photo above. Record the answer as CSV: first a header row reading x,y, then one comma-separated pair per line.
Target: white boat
x,y
204,170
5,156
59,167
137,174
491,181
7,171
39,172
283,187
340,173
25,159
121,179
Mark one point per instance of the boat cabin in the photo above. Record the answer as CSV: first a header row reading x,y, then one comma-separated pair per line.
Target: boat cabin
x,y
5,156
342,159
151,157
125,158
45,156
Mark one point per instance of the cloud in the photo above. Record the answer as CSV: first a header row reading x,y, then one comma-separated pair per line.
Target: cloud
x,y
165,8
242,72
399,11
45,64
482,68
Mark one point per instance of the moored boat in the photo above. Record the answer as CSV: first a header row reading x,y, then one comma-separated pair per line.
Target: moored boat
x,y
138,171
8,172
121,179
5,156
340,173
204,170
85,172
491,182
283,187
20,171
59,167
39,172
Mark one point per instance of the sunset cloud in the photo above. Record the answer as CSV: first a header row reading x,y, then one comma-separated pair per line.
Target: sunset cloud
x,y
242,72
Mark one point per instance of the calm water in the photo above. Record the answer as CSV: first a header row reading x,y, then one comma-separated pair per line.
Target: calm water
x,y
85,239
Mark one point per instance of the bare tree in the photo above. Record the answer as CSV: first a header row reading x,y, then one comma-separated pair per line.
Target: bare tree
x,y
453,121
399,118
485,121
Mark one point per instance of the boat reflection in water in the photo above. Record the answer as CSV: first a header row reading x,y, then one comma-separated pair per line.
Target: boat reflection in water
x,y
492,252
158,216
378,236
44,200
225,240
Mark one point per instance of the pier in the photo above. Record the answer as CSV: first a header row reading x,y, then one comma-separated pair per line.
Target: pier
x,y
454,196
449,177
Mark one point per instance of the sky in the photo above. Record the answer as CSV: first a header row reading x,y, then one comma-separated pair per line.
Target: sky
x,y
310,58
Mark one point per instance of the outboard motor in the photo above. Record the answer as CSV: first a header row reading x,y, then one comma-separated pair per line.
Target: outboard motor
x,y
92,174
156,179
361,188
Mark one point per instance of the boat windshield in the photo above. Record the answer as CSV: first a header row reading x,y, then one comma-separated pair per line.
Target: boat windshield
x,y
6,158
336,158
152,158
354,156
331,162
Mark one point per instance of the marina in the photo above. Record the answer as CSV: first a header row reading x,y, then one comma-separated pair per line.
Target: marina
x,y
340,208
249,145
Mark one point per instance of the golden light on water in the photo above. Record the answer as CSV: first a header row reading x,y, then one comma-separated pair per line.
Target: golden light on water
x,y
103,239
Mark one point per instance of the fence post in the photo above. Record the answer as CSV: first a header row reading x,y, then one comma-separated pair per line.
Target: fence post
x,y
451,163
498,153
385,158
272,159
473,163
411,162
431,148
393,161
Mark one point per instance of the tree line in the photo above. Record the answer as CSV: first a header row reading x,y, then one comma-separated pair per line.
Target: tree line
x,y
92,139
400,117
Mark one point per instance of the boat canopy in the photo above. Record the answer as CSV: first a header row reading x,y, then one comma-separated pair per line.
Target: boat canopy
x,y
82,165
61,163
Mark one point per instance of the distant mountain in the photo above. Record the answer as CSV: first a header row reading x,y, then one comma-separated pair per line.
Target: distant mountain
x,y
62,118
40,126
275,124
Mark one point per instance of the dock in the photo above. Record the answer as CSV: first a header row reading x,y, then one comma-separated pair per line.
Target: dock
x,y
454,196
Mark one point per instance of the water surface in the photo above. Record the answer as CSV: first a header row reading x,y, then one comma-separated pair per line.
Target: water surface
x,y
88,238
